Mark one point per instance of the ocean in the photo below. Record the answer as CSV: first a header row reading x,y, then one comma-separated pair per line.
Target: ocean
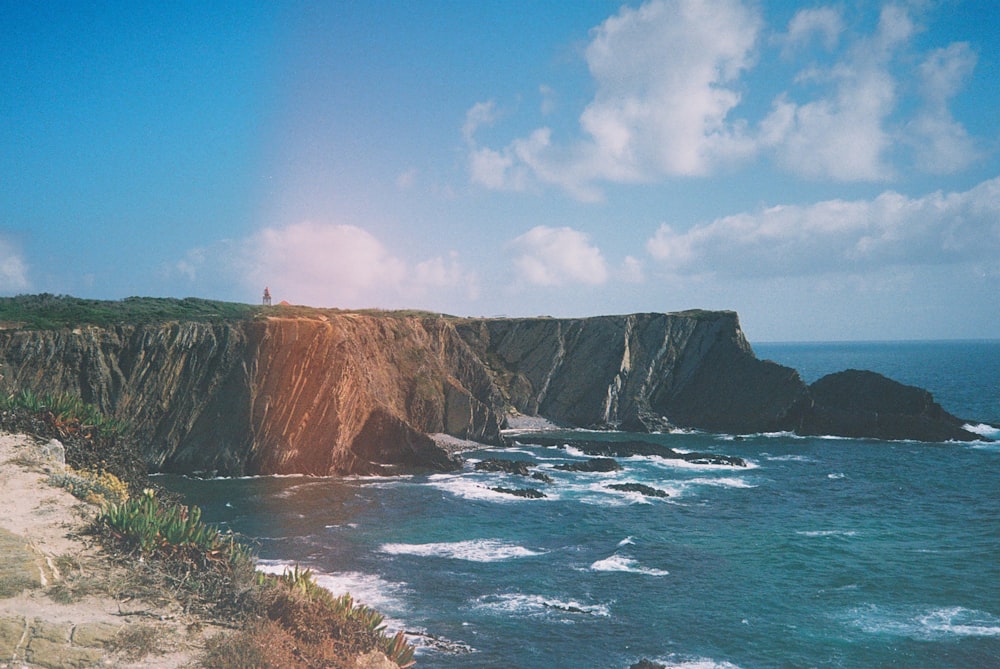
x,y
821,552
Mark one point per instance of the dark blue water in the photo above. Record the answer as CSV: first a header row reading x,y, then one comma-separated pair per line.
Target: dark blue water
x,y
821,553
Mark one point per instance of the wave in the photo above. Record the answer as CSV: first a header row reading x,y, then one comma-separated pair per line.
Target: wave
x,y
472,487
827,533
983,430
925,624
836,476
368,589
724,482
674,662
530,605
625,564
678,463
476,550
787,458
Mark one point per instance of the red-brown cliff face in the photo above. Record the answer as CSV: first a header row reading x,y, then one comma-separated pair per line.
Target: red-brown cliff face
x,y
351,393
342,394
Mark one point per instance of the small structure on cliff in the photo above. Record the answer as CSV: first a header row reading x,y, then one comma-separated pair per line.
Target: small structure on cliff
x,y
267,297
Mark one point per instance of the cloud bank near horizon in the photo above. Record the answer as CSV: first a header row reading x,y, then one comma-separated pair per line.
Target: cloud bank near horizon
x,y
325,264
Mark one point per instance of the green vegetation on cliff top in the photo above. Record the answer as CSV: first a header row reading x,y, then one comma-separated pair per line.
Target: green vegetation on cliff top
x,y
50,312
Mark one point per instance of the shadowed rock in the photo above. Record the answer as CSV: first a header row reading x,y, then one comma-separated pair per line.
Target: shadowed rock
x,y
528,493
592,465
639,488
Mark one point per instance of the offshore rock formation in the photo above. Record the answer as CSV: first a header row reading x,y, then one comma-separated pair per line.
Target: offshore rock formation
x,y
343,392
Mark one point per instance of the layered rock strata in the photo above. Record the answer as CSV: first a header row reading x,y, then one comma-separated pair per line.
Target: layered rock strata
x,y
353,393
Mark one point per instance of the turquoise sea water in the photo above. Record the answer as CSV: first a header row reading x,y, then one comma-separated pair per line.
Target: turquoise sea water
x,y
821,553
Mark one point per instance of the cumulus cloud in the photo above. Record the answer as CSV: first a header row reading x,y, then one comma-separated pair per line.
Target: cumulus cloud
x,y
843,134
942,144
328,265
840,236
13,268
664,76
669,82
547,256
823,23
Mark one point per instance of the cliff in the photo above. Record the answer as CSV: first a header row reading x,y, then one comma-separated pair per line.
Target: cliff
x,y
341,392
638,372
345,394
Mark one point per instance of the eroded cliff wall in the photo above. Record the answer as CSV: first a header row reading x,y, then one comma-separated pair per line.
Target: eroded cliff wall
x,y
350,393
637,372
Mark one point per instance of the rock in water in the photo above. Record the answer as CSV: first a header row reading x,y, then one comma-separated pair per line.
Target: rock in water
x,y
856,403
528,493
592,465
639,488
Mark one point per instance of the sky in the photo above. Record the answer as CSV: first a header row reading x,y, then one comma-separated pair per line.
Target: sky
x,y
829,170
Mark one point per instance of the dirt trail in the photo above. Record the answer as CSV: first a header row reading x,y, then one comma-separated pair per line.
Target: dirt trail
x,y
58,603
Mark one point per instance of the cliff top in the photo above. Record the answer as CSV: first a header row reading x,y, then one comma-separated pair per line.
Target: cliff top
x,y
45,311
49,312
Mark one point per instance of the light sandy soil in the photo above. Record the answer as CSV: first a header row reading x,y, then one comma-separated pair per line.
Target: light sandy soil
x,y
50,522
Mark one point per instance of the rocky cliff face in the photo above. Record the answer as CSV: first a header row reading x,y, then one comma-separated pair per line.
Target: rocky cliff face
x,y
346,394
637,372
352,393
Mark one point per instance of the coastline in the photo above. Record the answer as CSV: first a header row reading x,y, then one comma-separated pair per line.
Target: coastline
x,y
57,603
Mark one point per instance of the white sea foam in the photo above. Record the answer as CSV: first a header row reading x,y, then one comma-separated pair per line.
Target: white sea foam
x,y
476,550
827,533
925,624
472,487
836,476
367,589
532,605
625,564
983,430
724,482
677,463
674,662
627,541
787,458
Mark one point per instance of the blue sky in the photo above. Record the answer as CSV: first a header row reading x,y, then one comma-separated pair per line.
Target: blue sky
x,y
828,170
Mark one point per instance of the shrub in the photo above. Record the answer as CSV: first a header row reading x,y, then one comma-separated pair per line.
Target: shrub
x,y
326,623
145,525
96,487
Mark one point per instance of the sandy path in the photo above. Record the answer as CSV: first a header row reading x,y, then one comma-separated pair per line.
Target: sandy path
x,y
42,525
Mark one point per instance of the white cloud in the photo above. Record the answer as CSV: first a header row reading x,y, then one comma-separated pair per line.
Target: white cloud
x,y
324,264
840,236
824,23
547,256
843,134
480,114
941,144
669,80
632,270
13,269
408,179
664,76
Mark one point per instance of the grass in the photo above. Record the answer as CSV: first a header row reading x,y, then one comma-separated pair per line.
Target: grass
x,y
46,311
